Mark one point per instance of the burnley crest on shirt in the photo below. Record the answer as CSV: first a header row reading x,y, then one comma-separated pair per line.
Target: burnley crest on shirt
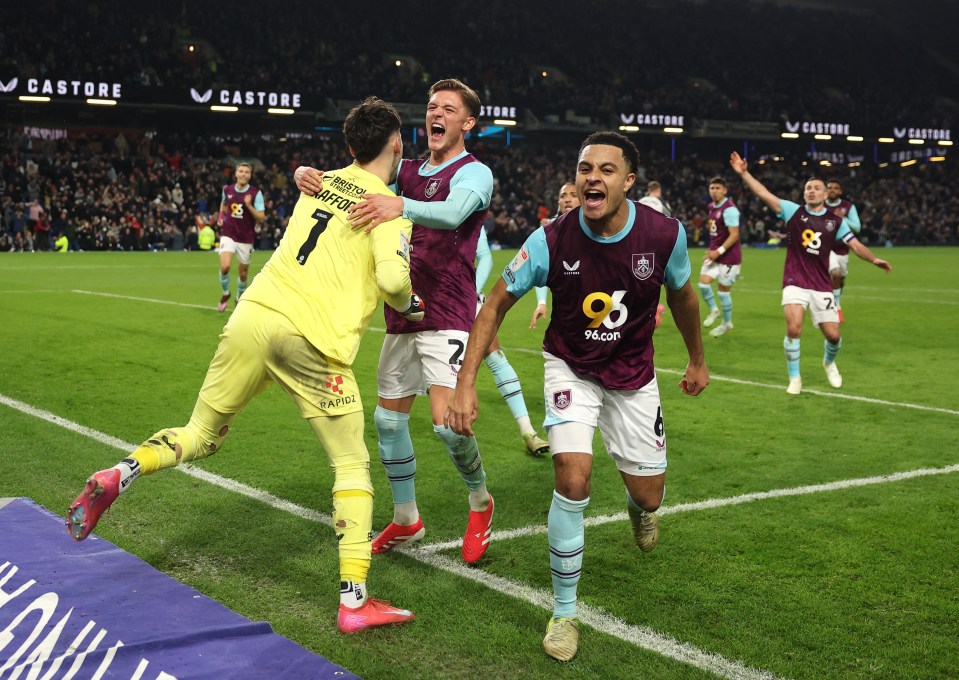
x,y
643,265
432,186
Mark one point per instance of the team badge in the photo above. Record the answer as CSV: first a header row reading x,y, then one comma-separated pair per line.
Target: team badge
x,y
643,265
830,225
333,383
433,186
562,399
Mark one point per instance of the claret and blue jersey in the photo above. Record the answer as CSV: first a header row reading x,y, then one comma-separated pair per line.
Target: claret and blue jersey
x,y
605,290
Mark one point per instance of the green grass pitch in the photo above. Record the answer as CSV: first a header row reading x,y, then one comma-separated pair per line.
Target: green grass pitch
x,y
820,575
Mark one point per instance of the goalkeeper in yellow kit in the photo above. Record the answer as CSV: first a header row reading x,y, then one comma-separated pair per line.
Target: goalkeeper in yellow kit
x,y
299,325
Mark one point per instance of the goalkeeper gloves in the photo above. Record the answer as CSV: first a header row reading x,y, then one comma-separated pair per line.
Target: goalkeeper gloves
x,y
416,309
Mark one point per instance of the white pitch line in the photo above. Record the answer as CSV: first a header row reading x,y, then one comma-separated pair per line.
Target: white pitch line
x,y
639,636
752,383
143,299
535,530
834,395
126,447
111,266
594,617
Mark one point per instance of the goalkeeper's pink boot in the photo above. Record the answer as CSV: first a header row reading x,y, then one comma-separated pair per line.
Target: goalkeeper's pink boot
x,y
102,488
372,614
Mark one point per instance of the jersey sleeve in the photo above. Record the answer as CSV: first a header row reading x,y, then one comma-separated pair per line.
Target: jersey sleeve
x,y
853,218
731,216
530,267
845,233
786,210
477,178
448,214
541,292
391,258
484,260
678,269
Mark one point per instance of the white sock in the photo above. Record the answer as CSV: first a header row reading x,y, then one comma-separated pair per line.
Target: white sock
x,y
352,595
525,426
479,498
405,514
129,471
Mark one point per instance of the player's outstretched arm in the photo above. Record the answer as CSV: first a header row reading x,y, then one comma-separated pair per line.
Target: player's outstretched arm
x,y
463,407
864,253
449,214
741,167
308,180
684,306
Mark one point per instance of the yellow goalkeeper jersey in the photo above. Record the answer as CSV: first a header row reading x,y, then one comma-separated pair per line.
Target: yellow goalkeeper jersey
x,y
327,277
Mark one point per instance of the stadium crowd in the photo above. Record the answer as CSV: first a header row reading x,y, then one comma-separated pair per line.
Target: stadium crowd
x,y
197,44
152,193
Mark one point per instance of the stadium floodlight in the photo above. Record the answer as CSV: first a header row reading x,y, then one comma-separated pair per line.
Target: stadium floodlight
x,y
505,122
944,142
629,128
916,141
825,163
281,112
102,102
790,135
906,164
29,98
936,159
228,109
853,138
884,165
886,140
822,136
855,164
673,130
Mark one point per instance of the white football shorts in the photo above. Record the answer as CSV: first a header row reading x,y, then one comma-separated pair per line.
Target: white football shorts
x,y
726,274
822,306
839,263
244,251
630,421
412,362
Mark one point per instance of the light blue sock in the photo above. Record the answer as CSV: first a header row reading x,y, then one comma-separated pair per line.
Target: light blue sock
x,y
566,543
464,452
726,302
831,350
507,383
837,293
225,283
792,356
707,293
396,452
240,287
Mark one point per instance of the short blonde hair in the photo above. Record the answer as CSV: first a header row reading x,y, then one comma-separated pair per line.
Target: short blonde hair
x,y
467,93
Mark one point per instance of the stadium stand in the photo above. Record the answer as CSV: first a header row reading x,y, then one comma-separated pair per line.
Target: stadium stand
x,y
129,181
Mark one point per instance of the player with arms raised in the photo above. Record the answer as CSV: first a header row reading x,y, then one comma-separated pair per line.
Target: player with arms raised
x,y
811,230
